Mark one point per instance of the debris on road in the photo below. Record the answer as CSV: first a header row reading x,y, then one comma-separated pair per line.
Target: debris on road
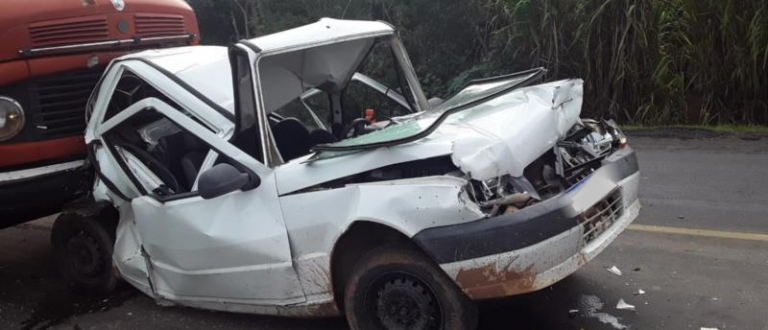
x,y
639,292
703,328
591,305
622,305
615,270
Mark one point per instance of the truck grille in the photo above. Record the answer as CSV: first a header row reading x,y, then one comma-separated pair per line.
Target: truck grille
x,y
68,32
156,25
597,219
59,102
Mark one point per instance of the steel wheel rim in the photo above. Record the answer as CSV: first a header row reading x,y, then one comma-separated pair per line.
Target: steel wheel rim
x,y
403,301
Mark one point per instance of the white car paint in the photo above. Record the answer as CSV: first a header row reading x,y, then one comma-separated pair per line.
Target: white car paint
x,y
489,142
527,270
268,250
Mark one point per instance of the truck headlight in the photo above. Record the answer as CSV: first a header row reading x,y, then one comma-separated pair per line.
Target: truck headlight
x,y
11,118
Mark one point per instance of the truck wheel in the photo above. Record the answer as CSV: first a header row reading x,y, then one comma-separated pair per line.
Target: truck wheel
x,y
82,250
399,288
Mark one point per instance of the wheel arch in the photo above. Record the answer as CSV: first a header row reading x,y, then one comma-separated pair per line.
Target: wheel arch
x,y
359,239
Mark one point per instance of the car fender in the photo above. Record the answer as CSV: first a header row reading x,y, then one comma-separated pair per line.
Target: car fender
x,y
317,220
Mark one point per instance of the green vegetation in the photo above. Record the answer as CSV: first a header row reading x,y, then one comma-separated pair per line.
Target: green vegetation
x,y
646,62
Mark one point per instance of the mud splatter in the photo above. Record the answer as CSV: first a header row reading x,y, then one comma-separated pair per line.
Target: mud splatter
x,y
494,280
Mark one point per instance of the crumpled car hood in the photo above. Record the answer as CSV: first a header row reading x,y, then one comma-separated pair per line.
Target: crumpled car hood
x,y
498,137
506,134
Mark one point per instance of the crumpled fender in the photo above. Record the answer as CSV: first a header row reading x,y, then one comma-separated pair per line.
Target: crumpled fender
x,y
512,131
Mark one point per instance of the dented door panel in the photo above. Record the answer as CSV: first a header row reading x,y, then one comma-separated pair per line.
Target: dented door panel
x,y
231,248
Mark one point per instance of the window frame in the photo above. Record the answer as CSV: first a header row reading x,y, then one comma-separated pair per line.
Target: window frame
x,y
213,132
184,123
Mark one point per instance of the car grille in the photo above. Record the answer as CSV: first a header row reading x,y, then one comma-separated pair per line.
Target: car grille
x,y
155,25
68,32
597,219
59,101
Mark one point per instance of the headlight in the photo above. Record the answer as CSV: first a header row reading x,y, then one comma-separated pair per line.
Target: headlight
x,y
11,118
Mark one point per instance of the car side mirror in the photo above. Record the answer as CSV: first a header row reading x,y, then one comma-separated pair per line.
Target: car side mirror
x,y
222,179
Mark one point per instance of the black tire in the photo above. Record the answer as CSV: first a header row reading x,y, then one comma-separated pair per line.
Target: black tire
x,y
399,288
82,248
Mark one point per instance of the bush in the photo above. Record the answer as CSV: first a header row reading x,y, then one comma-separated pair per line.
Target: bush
x,y
644,61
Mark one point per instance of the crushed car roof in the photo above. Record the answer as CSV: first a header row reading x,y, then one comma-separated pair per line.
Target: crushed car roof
x,y
205,68
325,31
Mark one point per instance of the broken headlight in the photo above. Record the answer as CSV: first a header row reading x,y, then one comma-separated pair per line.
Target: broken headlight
x,y
504,194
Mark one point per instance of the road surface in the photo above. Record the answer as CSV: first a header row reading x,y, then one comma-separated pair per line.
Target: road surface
x,y
699,251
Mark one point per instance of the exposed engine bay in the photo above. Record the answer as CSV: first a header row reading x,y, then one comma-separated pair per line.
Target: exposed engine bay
x,y
559,170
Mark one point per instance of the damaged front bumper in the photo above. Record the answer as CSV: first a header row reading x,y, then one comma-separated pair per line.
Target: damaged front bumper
x,y
29,194
540,245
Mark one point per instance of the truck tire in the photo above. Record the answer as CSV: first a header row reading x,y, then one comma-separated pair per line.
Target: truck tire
x,y
399,288
82,249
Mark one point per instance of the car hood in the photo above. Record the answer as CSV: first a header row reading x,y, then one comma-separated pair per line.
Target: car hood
x,y
500,136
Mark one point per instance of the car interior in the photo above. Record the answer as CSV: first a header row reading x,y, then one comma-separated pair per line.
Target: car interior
x,y
307,120
175,156
172,154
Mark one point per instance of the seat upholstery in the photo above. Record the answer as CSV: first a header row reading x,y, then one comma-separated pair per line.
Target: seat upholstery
x,y
190,166
320,136
292,138
183,155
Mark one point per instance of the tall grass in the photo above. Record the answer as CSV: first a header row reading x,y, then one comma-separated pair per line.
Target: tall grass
x,y
644,61
650,61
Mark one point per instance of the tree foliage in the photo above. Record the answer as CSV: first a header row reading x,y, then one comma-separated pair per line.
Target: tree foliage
x,y
644,61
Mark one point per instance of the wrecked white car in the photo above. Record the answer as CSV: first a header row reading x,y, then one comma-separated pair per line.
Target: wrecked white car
x,y
276,177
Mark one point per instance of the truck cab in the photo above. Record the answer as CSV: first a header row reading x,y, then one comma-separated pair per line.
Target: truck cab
x,y
52,56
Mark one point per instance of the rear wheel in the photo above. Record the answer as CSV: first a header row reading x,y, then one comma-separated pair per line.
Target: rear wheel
x,y
82,248
398,288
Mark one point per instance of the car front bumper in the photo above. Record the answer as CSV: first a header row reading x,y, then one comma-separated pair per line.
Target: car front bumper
x,y
541,244
29,194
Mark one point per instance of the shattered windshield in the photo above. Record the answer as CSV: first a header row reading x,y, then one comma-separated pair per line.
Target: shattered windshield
x,y
403,129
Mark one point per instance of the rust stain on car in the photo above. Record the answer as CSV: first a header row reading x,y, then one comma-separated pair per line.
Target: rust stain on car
x,y
491,281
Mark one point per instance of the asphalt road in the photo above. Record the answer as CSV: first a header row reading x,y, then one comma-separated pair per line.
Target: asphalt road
x,y
699,251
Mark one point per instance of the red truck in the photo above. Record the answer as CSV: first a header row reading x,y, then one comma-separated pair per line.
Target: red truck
x,y
52,55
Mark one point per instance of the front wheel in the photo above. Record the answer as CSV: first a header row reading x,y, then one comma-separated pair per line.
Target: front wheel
x,y
399,288
82,249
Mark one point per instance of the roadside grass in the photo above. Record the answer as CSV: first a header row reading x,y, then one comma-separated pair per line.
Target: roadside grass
x,y
721,129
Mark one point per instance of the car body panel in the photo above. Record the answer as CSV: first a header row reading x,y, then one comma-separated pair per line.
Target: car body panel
x,y
270,249
215,241
537,266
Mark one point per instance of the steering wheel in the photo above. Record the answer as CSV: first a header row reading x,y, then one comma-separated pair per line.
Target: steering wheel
x,y
154,165
355,128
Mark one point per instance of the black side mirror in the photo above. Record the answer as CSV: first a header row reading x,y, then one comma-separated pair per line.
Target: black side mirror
x,y
220,180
